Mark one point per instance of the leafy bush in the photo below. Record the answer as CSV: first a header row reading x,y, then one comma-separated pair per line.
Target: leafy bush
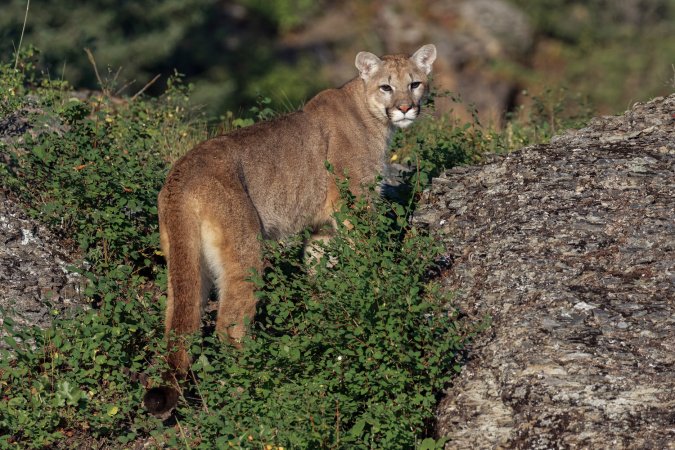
x,y
80,383
90,168
20,87
350,356
95,173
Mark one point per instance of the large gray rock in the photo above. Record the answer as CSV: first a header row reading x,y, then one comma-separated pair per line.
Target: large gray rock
x,y
570,249
36,283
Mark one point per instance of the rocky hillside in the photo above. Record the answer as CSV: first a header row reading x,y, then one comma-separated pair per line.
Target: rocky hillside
x,y
570,249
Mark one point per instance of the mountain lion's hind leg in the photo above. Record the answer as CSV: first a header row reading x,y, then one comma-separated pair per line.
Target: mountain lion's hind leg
x,y
231,247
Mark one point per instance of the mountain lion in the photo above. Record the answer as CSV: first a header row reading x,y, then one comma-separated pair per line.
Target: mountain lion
x,y
270,180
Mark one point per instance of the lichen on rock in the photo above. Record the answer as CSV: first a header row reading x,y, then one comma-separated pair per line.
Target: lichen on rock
x,y
570,249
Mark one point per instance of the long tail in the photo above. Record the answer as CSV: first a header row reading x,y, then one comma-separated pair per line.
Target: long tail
x,y
183,309
180,240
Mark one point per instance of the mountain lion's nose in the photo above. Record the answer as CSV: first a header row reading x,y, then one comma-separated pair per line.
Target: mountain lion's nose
x,y
404,108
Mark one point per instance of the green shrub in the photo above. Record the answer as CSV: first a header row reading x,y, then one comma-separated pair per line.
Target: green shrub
x,y
94,175
80,383
351,355
21,87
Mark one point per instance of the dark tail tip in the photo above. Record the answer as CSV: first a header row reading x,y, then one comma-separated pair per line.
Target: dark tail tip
x,y
161,401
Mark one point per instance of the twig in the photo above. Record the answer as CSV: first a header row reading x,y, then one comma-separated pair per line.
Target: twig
x,y
182,433
150,83
25,19
90,56
337,421
117,74
123,88
199,391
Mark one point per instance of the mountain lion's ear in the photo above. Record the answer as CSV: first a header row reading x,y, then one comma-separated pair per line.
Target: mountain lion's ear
x,y
367,63
425,57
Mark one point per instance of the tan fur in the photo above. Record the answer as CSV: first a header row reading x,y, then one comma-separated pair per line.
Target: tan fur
x,y
270,180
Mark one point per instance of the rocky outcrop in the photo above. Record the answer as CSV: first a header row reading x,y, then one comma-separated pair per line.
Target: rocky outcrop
x,y
569,248
36,283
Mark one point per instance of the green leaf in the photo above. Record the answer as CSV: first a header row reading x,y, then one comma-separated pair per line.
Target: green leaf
x,y
357,430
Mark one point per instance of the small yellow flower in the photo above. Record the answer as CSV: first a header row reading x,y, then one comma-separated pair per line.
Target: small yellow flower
x,y
394,157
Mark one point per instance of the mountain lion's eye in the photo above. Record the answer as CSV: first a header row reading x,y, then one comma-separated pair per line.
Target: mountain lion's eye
x,y
385,88
415,85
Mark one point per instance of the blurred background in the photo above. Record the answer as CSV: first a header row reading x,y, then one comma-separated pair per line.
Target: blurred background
x,y
495,54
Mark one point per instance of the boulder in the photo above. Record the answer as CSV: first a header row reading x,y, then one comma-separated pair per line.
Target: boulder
x,y
569,249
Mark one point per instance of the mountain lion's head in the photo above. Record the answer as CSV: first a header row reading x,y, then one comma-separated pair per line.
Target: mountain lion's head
x,y
396,84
